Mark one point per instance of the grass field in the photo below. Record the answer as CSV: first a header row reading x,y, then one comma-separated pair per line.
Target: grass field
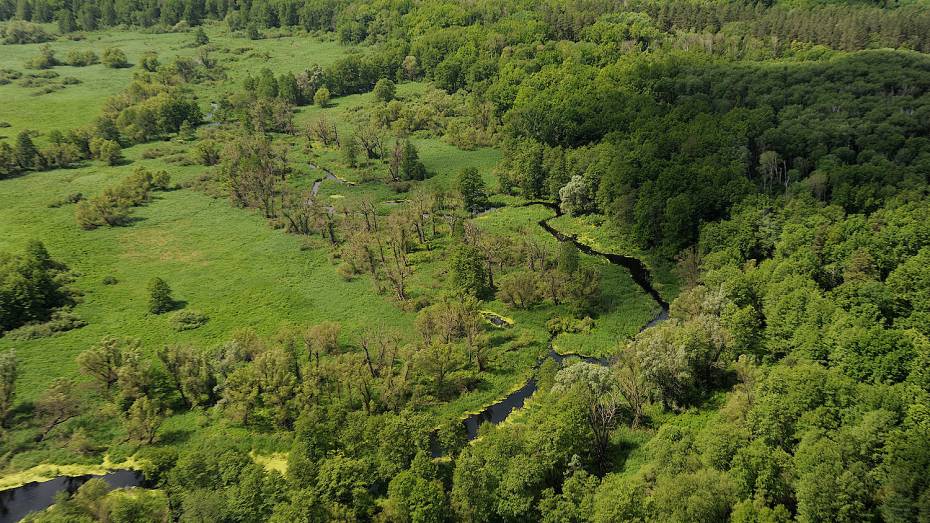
x,y
77,105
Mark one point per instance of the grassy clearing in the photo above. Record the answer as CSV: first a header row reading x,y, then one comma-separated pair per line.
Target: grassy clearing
x,y
77,105
222,261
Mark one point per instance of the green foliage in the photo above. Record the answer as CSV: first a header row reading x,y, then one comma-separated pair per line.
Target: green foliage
x,y
160,299
467,270
189,319
114,57
321,97
31,287
471,186
384,90
8,373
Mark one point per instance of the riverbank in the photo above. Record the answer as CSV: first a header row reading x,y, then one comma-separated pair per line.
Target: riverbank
x,y
50,471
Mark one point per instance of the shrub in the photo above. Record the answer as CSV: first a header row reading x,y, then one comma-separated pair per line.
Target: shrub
x,y
45,59
114,57
61,321
384,90
187,320
81,58
207,152
112,206
160,300
71,198
150,62
109,280
20,32
519,290
321,97
107,151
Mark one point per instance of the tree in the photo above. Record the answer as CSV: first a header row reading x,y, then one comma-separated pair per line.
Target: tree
x,y
349,149
200,36
107,151
471,186
267,84
569,259
321,97
8,374
160,299
597,387
190,371
149,62
577,197
322,338
103,361
287,88
384,90
410,166
143,419
467,270
58,404
518,289
25,152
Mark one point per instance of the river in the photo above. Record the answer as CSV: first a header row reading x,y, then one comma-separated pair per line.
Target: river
x,y
499,411
17,502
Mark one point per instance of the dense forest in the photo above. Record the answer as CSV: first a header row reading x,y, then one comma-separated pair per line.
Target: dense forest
x,y
699,229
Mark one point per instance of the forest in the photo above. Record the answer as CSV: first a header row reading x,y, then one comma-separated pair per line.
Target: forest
x,y
483,261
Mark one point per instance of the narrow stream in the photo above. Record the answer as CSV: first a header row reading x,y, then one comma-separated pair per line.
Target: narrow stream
x,y
31,497
499,411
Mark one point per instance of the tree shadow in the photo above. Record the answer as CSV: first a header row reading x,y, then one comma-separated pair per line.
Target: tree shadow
x,y
174,437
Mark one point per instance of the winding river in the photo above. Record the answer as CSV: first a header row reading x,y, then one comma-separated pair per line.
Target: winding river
x,y
499,411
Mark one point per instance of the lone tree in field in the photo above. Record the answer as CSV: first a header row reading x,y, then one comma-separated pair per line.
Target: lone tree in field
x,y
159,296
471,187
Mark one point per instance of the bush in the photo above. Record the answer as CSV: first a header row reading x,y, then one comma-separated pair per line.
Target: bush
x,y
20,32
321,97
150,62
112,206
384,90
188,320
160,300
109,280
107,151
114,57
71,198
45,59
81,58
207,152
61,321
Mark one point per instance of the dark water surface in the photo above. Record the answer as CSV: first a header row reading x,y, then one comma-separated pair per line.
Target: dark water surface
x,y
17,502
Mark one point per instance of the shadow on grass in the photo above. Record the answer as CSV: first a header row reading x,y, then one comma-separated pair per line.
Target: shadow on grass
x,y
174,437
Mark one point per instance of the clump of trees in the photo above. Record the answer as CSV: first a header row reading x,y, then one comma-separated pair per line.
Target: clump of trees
x,y
32,287
113,206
